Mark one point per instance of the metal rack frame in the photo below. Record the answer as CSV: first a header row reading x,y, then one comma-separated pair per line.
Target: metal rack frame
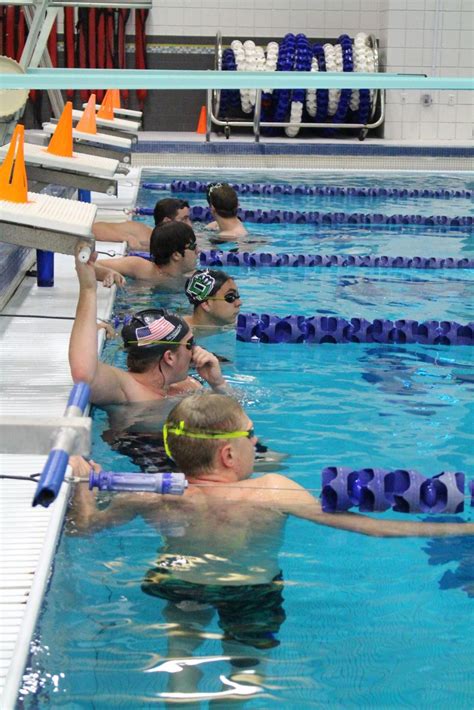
x,y
214,96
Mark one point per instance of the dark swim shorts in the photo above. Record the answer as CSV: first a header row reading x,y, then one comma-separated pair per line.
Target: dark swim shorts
x,y
250,613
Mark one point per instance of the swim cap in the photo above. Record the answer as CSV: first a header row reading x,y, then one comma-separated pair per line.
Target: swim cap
x,y
203,284
212,186
153,329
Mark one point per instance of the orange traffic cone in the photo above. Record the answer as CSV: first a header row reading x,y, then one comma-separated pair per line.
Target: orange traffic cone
x,y
87,124
116,98
202,123
61,141
13,182
107,106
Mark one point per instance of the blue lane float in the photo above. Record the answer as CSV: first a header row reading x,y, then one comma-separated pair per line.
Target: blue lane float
x,y
163,483
261,188
404,491
215,257
267,328
257,216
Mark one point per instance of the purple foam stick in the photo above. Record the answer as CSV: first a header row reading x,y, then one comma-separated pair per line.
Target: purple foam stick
x,y
379,331
325,329
406,331
402,488
367,489
357,331
443,493
248,327
334,494
291,329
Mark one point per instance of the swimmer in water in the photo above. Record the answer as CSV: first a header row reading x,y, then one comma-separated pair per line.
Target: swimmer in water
x,y
173,250
160,349
224,556
224,204
137,234
216,300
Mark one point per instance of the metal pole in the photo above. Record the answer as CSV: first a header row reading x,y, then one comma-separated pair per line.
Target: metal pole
x,y
35,53
256,115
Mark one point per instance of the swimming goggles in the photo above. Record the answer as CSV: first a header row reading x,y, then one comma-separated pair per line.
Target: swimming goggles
x,y
228,298
191,246
212,187
189,344
181,431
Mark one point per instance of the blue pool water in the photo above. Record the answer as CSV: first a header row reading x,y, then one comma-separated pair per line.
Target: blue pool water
x,y
370,622
391,240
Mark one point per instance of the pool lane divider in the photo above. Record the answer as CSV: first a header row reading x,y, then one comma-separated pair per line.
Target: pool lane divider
x,y
259,188
216,257
203,214
403,491
267,328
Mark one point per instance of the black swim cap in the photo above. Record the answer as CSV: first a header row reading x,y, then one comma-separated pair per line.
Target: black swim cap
x,y
153,330
204,284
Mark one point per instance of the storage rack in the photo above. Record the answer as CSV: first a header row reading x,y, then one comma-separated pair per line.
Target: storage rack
x,y
214,96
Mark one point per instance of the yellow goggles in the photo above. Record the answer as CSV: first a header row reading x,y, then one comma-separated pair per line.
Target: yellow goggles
x,y
181,431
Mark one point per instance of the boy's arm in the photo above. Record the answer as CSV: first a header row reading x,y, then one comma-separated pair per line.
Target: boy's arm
x,y
135,233
85,515
104,380
108,277
134,266
293,499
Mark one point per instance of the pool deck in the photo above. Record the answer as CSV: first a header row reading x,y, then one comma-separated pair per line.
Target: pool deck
x,y
36,382
168,149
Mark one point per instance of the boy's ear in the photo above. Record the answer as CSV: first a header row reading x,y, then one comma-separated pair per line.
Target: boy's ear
x,y
205,306
226,455
168,357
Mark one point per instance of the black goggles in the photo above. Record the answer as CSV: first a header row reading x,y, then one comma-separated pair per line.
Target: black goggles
x,y
228,298
191,246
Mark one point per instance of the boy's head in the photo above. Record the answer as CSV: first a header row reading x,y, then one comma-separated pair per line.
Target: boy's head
x,y
171,209
202,424
149,334
216,294
173,238
223,198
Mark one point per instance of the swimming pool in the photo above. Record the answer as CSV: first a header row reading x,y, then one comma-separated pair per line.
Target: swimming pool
x,y
369,622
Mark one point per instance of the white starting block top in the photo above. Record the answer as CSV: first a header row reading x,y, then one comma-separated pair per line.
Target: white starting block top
x,y
120,124
100,138
48,212
123,111
78,163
